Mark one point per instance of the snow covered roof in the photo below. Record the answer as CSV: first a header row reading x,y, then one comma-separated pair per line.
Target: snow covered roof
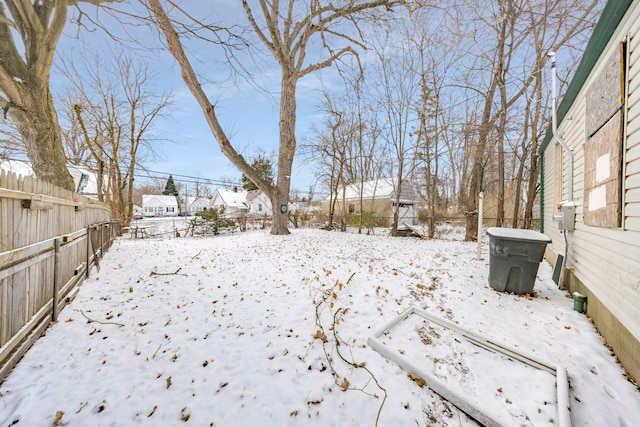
x,y
253,194
84,178
233,198
197,200
18,167
383,188
517,234
148,199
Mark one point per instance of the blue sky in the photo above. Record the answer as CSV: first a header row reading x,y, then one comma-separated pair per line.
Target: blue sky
x,y
184,143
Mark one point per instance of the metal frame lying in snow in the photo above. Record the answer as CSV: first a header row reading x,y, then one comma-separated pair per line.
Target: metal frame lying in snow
x,y
562,381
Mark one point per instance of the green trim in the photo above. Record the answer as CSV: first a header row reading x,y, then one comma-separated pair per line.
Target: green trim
x,y
611,16
541,192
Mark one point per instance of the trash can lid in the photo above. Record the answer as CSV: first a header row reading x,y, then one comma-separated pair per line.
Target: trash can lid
x,y
517,234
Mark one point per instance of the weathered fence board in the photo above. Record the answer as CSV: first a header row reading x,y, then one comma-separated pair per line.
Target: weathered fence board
x,y
35,218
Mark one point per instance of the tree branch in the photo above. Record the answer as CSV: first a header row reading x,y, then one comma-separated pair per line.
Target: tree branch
x,y
188,75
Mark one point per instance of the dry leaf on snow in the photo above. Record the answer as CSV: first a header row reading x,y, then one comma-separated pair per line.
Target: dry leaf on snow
x,y
320,336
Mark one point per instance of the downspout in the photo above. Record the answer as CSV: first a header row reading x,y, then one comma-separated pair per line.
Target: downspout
x,y
554,131
554,125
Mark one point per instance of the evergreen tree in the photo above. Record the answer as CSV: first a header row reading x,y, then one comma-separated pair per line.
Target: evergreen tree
x,y
170,188
264,167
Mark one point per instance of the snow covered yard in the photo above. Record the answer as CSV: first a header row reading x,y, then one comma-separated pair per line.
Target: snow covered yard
x,y
241,330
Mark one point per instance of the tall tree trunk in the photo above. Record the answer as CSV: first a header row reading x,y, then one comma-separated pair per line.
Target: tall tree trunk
x,y
37,122
501,175
521,166
280,193
477,171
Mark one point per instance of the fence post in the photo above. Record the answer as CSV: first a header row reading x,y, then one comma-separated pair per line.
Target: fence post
x,y
56,279
480,211
88,249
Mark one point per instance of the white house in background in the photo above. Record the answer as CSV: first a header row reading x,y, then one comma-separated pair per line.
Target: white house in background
x,y
232,201
158,205
84,179
259,203
195,204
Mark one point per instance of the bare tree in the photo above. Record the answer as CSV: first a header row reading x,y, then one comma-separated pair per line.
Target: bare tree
x,y
286,30
504,30
10,146
396,89
114,110
25,69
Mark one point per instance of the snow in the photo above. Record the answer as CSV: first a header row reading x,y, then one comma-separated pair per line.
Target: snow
x,y
517,234
240,330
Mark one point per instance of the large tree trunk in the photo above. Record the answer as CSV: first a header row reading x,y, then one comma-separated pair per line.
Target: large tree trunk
x,y
37,122
280,193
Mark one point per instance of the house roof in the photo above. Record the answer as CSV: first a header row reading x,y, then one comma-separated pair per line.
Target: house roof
x,y
233,199
611,16
253,194
88,185
162,199
196,200
383,188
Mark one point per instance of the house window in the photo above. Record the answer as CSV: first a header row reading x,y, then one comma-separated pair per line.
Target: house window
x,y
605,117
352,208
259,207
170,209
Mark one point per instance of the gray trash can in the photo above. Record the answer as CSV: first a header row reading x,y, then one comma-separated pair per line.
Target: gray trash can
x,y
514,258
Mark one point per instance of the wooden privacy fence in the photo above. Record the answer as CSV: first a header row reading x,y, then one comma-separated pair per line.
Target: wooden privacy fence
x,y
49,240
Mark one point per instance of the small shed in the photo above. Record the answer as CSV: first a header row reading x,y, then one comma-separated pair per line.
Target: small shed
x,y
159,205
379,198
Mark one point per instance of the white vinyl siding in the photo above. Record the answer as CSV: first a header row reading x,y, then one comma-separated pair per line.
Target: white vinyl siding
x,y
631,186
605,260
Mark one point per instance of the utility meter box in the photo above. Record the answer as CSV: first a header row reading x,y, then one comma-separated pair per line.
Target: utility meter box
x,y
566,216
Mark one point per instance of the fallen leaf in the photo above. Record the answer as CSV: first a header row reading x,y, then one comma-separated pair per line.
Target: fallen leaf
x,y
567,327
168,380
185,414
58,419
320,336
419,381
500,390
